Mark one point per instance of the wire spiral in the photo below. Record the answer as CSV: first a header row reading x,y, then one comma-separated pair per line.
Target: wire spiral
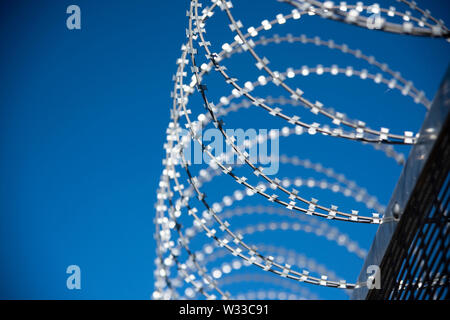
x,y
184,214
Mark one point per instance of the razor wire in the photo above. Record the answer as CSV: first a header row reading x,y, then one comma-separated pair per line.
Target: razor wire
x,y
176,260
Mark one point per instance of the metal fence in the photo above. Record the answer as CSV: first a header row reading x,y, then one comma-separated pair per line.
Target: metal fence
x,y
413,251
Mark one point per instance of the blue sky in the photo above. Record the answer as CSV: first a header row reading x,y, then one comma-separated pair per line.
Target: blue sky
x,y
83,116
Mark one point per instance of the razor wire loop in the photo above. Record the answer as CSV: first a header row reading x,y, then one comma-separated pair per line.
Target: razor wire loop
x,y
352,191
236,264
277,78
383,135
313,204
204,119
408,85
279,254
407,89
425,14
254,255
200,269
307,225
189,278
174,254
312,226
320,229
229,49
238,195
333,70
164,224
349,188
351,14
267,279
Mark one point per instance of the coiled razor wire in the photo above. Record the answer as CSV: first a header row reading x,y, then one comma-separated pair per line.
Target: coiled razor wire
x,y
181,271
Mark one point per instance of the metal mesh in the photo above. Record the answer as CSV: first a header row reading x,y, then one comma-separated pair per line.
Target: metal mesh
x,y
416,264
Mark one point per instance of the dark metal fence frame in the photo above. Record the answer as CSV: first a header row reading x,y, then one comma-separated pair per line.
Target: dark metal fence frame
x,y
412,250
